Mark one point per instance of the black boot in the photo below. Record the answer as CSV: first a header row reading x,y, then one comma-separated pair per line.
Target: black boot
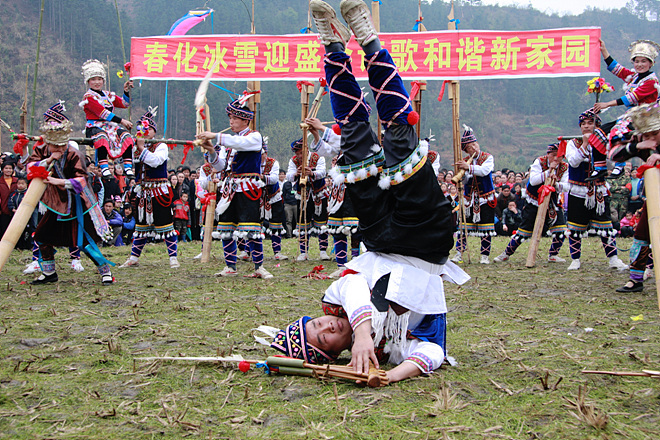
x,y
45,279
631,286
595,175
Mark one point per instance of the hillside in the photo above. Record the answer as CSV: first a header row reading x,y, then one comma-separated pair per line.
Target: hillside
x,y
514,119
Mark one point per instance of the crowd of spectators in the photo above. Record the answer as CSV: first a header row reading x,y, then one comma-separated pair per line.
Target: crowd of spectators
x,y
115,194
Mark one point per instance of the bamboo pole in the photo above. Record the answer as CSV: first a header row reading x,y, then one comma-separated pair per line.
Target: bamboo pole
x,y
375,18
207,242
539,223
21,218
652,188
123,51
36,66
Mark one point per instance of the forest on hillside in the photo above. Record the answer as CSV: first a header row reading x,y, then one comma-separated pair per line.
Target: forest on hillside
x,y
514,119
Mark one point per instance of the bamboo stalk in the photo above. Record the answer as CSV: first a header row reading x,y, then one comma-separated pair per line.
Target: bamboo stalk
x,y
539,223
624,373
652,186
36,65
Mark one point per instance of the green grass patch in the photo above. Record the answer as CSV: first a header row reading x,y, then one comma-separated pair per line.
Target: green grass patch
x,y
67,352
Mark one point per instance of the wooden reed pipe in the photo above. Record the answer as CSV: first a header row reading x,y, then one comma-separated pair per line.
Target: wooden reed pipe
x,y
459,175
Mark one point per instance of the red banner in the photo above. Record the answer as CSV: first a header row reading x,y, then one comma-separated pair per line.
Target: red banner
x,y
437,55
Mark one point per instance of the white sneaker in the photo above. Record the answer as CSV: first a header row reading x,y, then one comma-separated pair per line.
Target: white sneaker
x,y
616,263
575,265
329,28
301,257
357,15
458,258
32,268
77,265
174,262
556,259
130,263
262,273
226,272
484,260
648,273
500,258
337,273
279,256
324,255
198,256
244,256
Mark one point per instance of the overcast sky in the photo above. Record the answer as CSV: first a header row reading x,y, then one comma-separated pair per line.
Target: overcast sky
x,y
572,7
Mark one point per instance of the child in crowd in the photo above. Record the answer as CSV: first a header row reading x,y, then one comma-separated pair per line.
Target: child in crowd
x,y
181,216
129,224
15,199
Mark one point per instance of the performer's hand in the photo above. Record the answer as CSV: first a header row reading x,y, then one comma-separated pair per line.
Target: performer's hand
x,y
208,146
505,228
646,145
206,135
603,49
315,127
599,106
128,85
126,123
55,181
653,160
139,145
308,171
462,165
363,349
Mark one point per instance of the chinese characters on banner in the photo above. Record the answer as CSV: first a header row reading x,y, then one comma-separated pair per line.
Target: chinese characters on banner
x,y
418,55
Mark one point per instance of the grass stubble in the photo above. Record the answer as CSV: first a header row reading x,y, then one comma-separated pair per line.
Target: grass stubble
x,y
520,336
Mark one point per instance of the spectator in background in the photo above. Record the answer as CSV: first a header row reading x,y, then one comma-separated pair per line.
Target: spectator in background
x,y
181,216
511,219
290,204
129,224
110,186
7,184
176,185
121,178
15,199
503,200
115,221
619,200
517,192
627,225
636,195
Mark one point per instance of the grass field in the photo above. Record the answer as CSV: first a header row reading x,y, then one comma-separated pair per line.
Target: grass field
x,y
520,336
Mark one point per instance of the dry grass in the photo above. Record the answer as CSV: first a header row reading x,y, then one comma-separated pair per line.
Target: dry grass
x,y
67,351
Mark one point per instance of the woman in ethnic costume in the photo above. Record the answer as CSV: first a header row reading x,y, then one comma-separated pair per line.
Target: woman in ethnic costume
x,y
640,86
73,216
108,131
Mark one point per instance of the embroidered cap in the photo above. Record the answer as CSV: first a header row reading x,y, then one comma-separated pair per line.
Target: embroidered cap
x,y
239,107
292,341
553,148
589,114
147,120
56,113
468,136
297,145
56,128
